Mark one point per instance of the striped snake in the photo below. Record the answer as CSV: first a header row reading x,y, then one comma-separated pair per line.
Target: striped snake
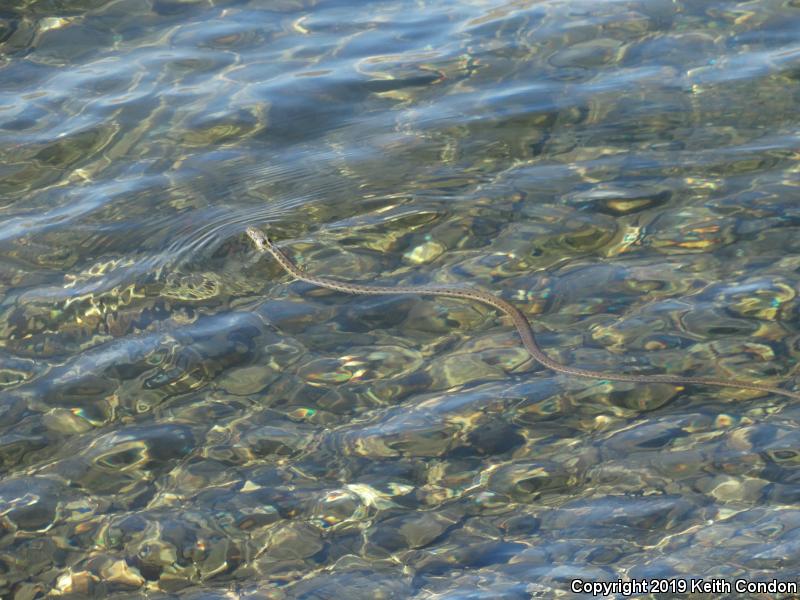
x,y
521,322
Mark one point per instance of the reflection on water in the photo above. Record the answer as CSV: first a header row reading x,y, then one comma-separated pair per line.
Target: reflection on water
x,y
178,416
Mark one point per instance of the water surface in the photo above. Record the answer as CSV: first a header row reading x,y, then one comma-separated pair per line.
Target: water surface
x,y
180,419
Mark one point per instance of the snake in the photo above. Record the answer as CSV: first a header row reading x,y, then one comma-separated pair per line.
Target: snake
x,y
264,244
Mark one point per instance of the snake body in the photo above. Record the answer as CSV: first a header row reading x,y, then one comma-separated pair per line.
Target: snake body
x,y
264,244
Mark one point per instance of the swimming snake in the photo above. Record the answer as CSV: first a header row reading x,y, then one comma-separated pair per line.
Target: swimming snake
x,y
264,244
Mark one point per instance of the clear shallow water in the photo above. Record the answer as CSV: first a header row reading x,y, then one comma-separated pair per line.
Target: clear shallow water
x,y
179,419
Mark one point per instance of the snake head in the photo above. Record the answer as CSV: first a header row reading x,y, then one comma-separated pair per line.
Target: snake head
x,y
259,239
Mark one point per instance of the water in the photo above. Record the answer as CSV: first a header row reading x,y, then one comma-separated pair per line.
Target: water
x,y
180,419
